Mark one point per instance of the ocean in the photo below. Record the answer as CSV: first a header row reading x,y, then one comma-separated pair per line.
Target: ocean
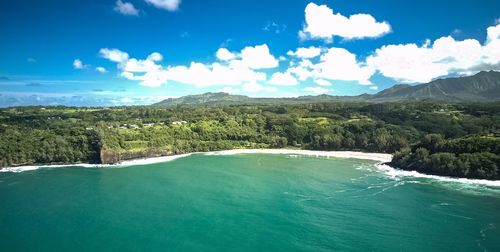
x,y
244,202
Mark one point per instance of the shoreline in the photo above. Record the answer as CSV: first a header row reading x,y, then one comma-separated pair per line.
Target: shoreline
x,y
381,158
399,173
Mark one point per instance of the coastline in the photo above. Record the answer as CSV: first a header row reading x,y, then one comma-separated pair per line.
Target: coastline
x,y
399,173
381,158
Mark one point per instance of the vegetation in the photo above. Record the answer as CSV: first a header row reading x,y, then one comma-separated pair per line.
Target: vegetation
x,y
449,139
470,157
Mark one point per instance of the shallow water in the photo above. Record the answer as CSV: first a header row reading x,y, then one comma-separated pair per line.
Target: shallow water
x,y
251,202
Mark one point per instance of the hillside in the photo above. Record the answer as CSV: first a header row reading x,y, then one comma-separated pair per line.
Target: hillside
x,y
212,99
481,87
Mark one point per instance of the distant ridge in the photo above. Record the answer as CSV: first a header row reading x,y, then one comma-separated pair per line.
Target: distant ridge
x,y
481,87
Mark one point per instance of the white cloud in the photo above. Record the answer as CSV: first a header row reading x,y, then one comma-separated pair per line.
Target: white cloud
x,y
126,8
78,64
305,53
340,64
101,69
316,90
322,23
230,90
224,54
202,75
140,66
150,72
374,88
114,55
302,73
170,5
248,69
258,57
303,70
254,87
413,63
323,82
283,79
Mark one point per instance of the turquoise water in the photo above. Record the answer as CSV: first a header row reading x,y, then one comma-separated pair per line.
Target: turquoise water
x,y
251,202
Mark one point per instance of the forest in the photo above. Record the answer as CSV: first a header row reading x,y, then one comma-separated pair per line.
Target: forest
x,y
461,140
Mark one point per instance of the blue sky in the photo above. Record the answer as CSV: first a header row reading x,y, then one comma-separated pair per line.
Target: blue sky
x,y
50,50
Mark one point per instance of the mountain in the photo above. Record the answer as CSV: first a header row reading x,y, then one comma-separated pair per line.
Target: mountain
x,y
481,87
212,99
207,98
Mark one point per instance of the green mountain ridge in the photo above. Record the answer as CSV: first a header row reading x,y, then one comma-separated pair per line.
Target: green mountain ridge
x,y
481,87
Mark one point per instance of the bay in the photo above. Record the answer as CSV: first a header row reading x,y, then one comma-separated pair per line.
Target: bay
x,y
246,202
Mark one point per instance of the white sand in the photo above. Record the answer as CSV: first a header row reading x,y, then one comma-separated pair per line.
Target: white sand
x,y
380,157
145,161
154,160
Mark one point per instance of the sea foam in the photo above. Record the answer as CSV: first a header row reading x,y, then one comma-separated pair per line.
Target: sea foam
x,y
380,157
125,163
397,174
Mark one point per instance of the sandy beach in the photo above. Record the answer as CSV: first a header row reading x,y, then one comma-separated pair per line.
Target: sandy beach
x,y
379,157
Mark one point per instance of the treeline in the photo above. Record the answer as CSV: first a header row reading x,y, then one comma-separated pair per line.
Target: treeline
x,y
35,135
24,146
468,157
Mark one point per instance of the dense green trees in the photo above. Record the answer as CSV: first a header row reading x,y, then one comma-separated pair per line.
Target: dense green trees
x,y
422,134
470,157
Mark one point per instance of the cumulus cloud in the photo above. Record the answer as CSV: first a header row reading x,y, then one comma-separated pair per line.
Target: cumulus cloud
x,y
248,68
101,69
258,57
224,54
169,5
283,79
340,64
303,70
114,55
231,69
202,75
305,53
316,90
410,63
125,8
78,64
322,23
